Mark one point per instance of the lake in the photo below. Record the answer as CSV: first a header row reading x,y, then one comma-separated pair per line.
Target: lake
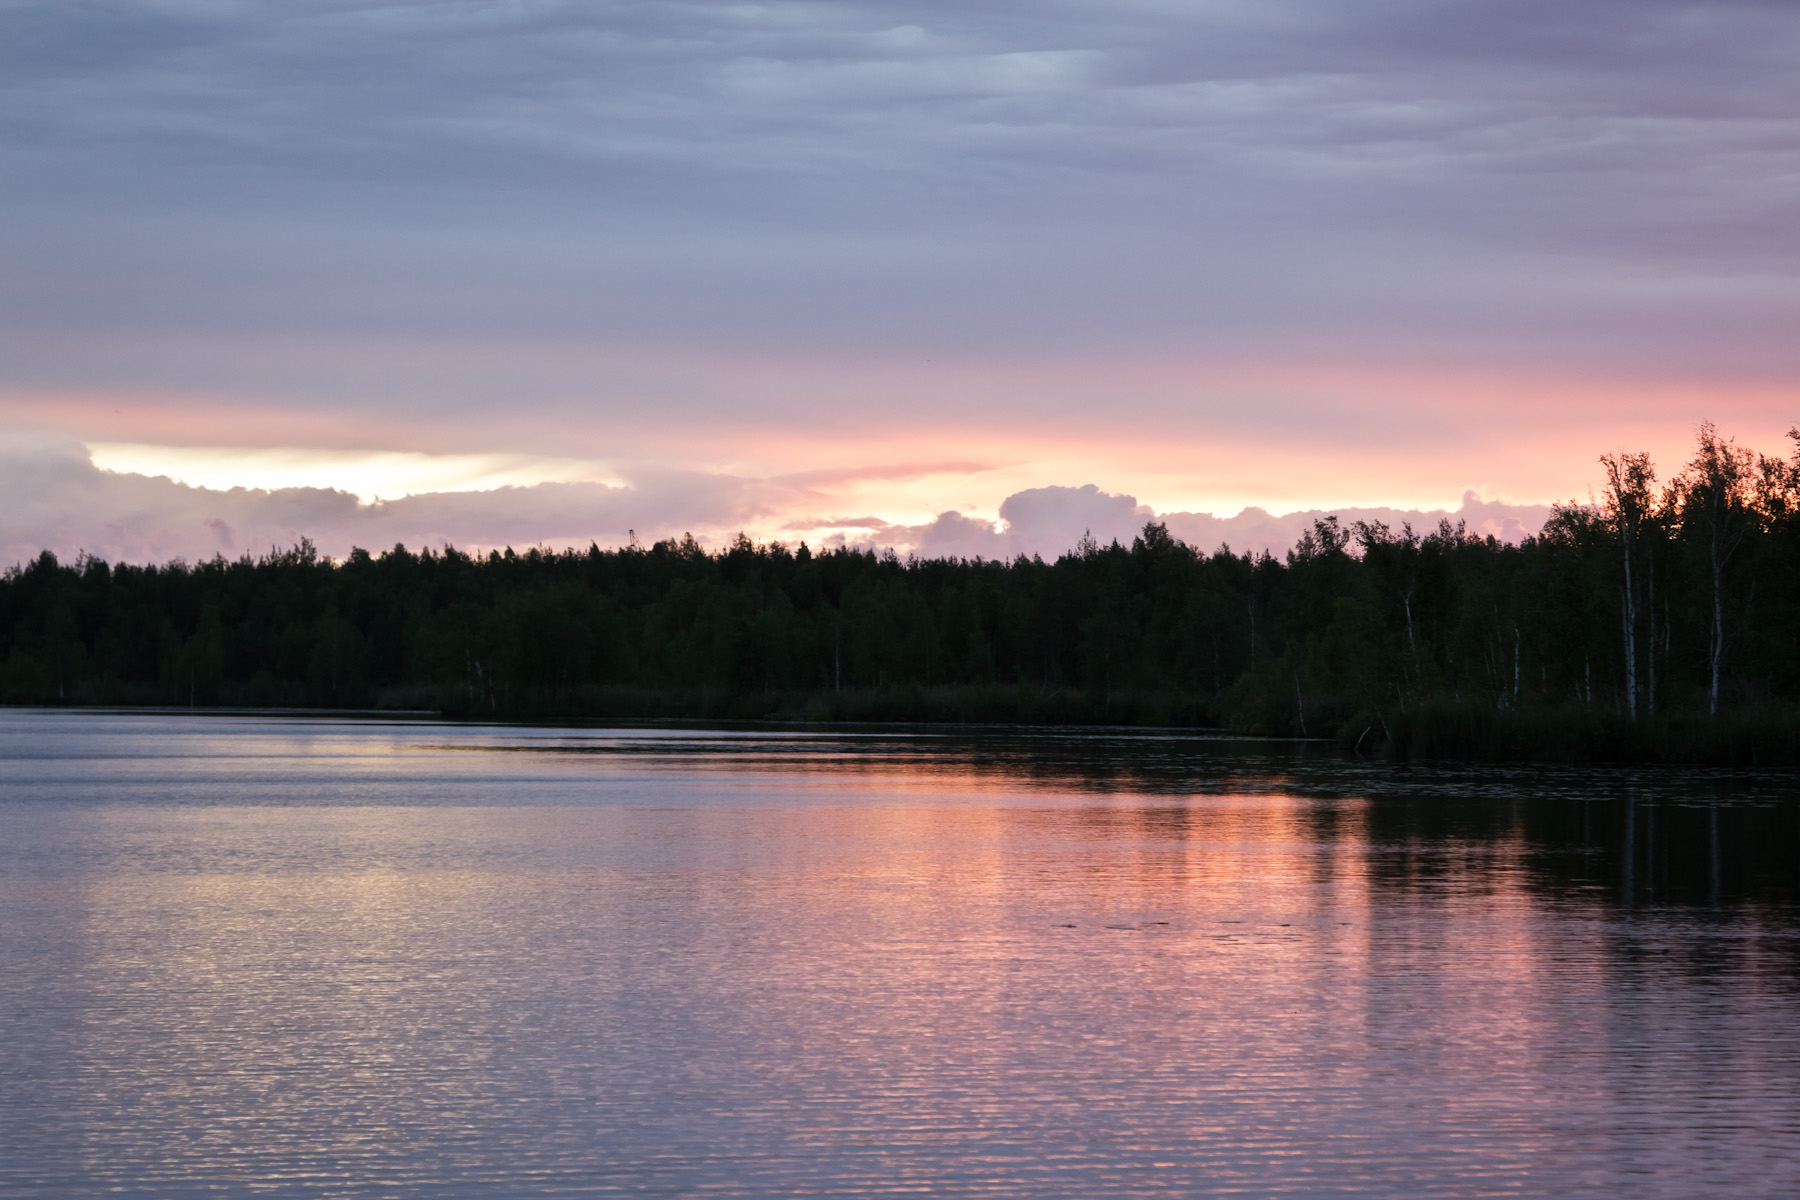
x,y
305,956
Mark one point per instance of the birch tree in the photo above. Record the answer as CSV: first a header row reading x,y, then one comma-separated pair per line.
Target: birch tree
x,y
1715,491
1627,504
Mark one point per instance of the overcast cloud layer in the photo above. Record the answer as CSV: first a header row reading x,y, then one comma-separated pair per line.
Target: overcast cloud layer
x,y
1366,245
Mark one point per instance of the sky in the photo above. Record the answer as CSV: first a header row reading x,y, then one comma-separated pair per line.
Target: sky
x,y
957,278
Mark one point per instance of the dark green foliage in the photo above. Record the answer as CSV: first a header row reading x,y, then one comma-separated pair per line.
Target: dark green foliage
x,y
1653,628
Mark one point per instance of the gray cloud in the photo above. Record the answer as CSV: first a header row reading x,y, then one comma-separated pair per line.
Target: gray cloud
x,y
1050,520
1254,530
53,497
1044,521
1567,181
770,237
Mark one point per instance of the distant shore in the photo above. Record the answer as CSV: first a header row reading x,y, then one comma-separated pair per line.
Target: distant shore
x,y
1656,625
1467,733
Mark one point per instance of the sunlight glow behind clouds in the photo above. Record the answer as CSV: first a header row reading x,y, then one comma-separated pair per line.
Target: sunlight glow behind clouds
x,y
54,497
1294,254
365,474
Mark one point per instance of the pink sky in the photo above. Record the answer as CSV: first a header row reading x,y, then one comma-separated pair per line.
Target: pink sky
x,y
787,268
1179,439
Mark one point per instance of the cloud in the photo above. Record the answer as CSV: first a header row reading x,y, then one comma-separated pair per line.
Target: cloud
x,y
1255,530
727,248
53,497
1049,521
952,535
1044,521
1563,182
1061,516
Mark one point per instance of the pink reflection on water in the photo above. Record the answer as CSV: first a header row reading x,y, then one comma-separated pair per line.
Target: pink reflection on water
x,y
345,960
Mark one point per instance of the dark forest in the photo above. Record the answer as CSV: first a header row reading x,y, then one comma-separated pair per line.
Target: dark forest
x,y
1660,621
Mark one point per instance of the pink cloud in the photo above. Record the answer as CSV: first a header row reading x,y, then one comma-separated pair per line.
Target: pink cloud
x,y
51,496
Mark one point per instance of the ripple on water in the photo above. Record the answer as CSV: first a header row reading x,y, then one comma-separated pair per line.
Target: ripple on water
x,y
395,959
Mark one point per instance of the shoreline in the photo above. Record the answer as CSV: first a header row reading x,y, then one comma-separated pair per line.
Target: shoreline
x,y
1425,733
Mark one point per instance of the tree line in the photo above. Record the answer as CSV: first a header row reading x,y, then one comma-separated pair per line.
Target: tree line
x,y
1661,618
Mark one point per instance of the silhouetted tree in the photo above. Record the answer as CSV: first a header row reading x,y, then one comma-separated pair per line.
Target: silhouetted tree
x,y
1628,502
1715,492
1627,609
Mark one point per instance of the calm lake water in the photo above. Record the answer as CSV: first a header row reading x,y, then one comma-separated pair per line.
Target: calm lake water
x,y
295,956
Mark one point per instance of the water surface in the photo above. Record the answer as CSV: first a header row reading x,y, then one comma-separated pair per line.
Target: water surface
x,y
295,956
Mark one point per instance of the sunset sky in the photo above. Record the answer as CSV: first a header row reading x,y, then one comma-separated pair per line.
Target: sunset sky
x,y
507,273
